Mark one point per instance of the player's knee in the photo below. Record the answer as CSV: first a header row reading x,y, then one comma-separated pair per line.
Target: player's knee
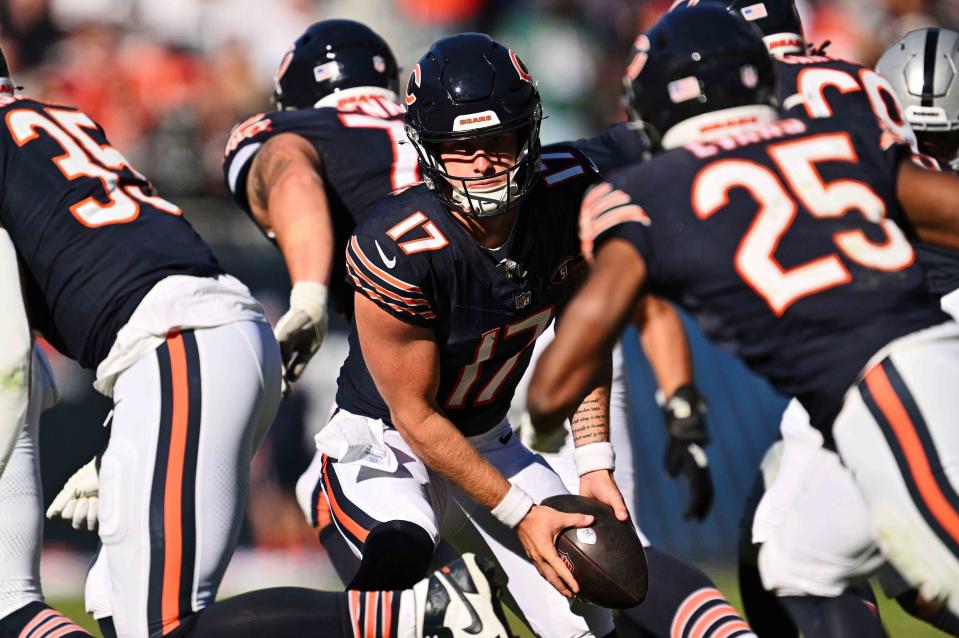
x,y
818,561
396,555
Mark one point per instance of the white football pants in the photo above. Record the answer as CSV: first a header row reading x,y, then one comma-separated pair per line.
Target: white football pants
x,y
21,500
361,496
891,489
175,475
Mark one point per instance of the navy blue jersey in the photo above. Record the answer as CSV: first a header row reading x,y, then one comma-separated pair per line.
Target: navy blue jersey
x,y
618,146
779,242
418,263
91,234
364,155
836,88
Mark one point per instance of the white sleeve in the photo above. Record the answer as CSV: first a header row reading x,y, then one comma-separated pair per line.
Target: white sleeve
x,y
16,344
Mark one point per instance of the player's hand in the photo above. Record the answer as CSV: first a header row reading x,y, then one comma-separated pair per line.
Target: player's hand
x,y
78,501
601,486
685,422
538,532
549,442
302,329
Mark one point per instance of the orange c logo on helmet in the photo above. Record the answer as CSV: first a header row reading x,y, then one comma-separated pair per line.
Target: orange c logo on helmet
x,y
284,63
415,79
520,67
640,54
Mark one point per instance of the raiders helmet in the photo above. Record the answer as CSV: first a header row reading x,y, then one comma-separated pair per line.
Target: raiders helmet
x,y
922,67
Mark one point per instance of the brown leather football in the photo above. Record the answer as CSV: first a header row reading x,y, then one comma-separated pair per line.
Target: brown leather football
x,y
607,558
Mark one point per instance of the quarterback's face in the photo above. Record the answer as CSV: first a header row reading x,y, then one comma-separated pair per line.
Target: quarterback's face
x,y
487,156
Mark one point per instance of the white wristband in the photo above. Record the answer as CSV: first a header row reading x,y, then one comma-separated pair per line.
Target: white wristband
x,y
310,297
594,456
513,508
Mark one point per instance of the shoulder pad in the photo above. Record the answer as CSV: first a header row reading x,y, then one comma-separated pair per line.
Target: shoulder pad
x,y
561,163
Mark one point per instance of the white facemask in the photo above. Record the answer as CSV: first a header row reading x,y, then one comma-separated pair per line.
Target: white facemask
x,y
486,202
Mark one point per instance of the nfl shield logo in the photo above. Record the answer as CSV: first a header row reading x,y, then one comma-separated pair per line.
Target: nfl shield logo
x,y
749,76
379,63
523,299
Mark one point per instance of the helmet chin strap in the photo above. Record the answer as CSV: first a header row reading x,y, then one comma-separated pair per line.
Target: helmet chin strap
x,y
486,203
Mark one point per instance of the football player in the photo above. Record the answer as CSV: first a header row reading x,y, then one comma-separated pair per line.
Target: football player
x,y
786,292
26,391
455,279
306,174
815,85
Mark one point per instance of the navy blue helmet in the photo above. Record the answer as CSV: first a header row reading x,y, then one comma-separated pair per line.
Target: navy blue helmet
x,y
696,60
777,20
330,56
468,87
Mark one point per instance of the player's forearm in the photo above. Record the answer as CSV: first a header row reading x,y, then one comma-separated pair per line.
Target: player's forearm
x,y
15,351
443,449
590,421
664,341
300,219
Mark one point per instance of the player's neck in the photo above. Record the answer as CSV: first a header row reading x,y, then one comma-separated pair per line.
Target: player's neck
x,y
488,232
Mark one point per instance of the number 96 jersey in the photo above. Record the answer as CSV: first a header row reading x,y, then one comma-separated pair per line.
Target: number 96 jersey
x,y
413,259
780,242
90,231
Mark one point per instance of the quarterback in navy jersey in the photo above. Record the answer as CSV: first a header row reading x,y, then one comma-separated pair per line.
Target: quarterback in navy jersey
x,y
820,292
454,280
418,262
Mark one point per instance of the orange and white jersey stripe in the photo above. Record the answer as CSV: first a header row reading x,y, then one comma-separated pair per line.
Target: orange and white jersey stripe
x,y
385,278
603,208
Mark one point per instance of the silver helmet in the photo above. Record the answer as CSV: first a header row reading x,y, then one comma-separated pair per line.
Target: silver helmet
x,y
923,68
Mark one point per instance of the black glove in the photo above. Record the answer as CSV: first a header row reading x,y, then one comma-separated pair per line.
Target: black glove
x,y
685,423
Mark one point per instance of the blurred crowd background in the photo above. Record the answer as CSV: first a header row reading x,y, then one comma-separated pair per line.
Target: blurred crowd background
x,y
168,79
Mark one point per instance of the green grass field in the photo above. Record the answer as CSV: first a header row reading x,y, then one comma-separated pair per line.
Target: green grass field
x,y
897,622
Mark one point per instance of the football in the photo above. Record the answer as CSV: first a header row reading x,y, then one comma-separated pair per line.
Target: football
x,y
606,558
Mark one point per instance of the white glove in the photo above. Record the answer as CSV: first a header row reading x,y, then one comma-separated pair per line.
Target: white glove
x,y
549,443
302,329
77,502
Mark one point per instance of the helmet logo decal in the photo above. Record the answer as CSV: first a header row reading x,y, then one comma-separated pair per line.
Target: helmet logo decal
x,y
284,64
326,71
754,12
783,43
473,121
684,89
379,64
640,54
520,67
415,79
